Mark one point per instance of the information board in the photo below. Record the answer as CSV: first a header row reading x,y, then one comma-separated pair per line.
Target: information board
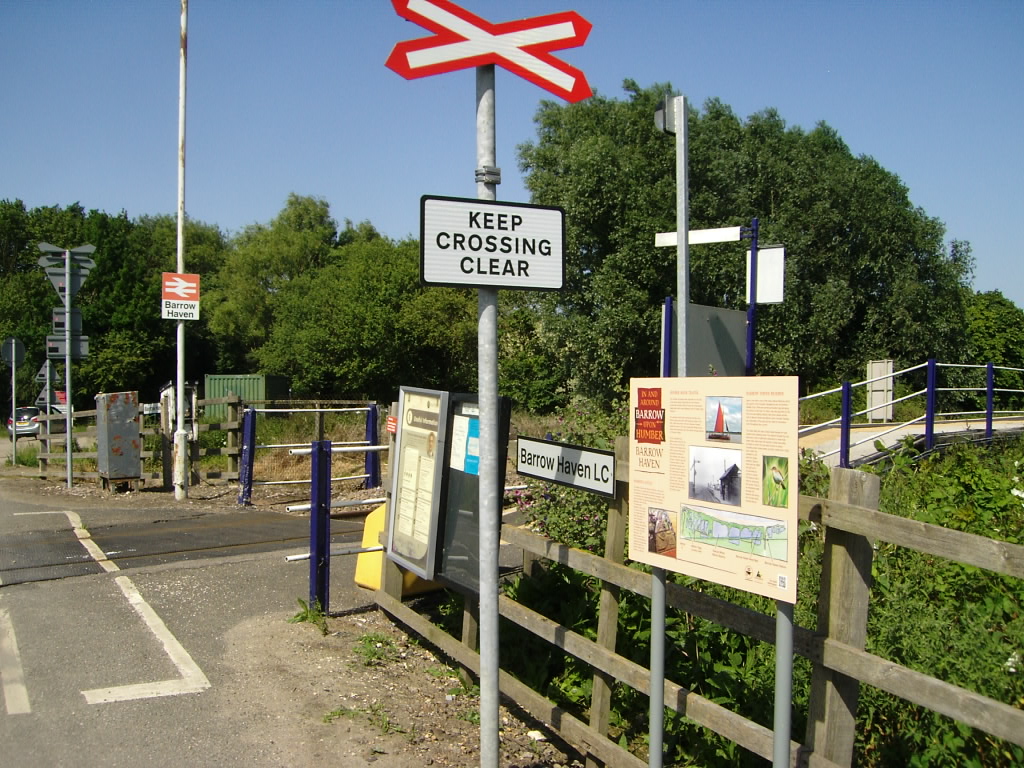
x,y
416,479
460,553
713,479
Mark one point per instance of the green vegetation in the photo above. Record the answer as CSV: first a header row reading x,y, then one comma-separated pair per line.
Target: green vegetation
x,y
311,613
376,649
339,309
958,623
340,712
28,451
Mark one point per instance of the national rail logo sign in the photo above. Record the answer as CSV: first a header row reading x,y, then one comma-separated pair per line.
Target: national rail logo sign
x,y
491,244
179,296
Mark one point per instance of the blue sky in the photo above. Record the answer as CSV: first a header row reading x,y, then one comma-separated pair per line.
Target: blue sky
x,y
293,96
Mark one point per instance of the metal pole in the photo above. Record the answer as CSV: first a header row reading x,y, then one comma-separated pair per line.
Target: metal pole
x,y
666,337
683,230
783,683
14,403
320,525
990,401
180,436
658,576
752,299
845,420
68,399
487,359
929,407
49,400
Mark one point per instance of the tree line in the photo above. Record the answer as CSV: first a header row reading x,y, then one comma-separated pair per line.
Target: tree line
x,y
340,311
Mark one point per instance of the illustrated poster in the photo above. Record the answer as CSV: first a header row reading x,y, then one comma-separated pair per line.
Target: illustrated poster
x,y
713,485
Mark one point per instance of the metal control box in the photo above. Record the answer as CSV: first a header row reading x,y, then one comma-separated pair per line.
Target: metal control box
x,y
118,442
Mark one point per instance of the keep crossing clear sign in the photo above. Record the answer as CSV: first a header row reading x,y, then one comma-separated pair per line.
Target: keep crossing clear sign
x,y
488,244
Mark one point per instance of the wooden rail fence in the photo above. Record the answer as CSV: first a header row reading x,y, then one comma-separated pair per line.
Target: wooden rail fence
x,y
836,649
52,458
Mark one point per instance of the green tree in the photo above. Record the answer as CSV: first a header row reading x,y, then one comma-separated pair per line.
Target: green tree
x,y
867,274
362,326
995,329
261,262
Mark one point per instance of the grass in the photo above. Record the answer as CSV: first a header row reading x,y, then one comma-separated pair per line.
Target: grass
x,y
376,649
340,712
27,457
311,613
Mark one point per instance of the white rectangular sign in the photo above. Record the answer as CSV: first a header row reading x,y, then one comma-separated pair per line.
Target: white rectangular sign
x,y
490,244
771,274
585,468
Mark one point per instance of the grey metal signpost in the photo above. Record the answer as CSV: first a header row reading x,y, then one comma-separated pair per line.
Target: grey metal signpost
x,y
784,610
476,45
13,352
77,265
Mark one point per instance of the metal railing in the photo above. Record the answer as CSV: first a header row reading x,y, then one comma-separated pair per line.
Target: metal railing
x,y
931,414
368,446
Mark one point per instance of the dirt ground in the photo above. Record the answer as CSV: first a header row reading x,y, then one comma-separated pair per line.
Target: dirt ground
x,y
390,700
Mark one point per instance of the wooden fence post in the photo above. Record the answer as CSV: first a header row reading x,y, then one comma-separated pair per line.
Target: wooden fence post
x,y
234,417
391,576
608,611
842,616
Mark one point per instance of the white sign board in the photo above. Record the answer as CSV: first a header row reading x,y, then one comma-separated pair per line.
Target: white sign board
x,y
771,274
585,468
179,299
490,244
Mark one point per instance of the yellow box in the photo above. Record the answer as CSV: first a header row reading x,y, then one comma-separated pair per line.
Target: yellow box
x,y
369,564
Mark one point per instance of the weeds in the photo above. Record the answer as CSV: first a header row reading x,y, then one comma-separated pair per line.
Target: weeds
x,y
311,613
340,712
376,649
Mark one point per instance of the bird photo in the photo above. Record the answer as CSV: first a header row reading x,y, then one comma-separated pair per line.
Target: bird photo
x,y
775,481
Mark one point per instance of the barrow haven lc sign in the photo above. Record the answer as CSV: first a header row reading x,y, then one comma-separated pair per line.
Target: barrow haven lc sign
x,y
489,244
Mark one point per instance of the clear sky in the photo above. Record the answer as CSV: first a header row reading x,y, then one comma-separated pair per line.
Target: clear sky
x,y
293,96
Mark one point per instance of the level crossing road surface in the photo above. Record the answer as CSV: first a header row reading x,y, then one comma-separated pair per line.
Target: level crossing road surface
x,y
135,634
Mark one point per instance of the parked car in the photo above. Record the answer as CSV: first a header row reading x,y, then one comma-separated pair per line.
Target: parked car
x,y
28,424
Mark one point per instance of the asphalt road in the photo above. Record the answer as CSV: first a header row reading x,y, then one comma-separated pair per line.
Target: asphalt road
x,y
128,635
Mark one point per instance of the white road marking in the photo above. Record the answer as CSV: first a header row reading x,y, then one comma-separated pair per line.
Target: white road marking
x,y
12,676
192,678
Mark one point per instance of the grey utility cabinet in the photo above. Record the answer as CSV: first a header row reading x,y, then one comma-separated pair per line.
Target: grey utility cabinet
x,y
118,442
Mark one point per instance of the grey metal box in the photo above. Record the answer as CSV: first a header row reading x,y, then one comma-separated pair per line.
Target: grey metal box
x,y
118,443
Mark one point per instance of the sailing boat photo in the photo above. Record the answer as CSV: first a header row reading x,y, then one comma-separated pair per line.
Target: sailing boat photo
x,y
723,419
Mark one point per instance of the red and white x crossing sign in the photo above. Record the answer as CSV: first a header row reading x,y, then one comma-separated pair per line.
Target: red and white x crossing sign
x,y
464,40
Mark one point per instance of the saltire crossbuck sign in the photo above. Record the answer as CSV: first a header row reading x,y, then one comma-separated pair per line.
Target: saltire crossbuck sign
x,y
462,40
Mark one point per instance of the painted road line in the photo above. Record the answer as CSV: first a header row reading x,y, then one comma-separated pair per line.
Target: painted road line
x,y
91,546
192,678
12,676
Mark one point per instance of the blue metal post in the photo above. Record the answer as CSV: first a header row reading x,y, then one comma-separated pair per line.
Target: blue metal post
x,y
372,457
929,414
990,398
320,525
666,337
248,458
752,298
846,417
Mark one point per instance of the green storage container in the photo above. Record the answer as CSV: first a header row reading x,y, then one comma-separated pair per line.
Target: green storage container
x,y
248,386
